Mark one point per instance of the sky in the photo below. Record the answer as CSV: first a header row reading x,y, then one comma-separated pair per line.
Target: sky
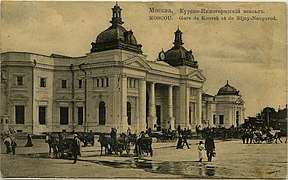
x,y
250,54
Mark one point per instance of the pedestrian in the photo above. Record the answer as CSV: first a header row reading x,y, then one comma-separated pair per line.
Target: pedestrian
x,y
29,141
200,150
185,135
75,148
13,144
179,129
7,141
210,147
179,143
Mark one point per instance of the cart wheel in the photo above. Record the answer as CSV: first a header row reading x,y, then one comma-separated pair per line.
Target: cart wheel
x,y
257,140
269,141
128,148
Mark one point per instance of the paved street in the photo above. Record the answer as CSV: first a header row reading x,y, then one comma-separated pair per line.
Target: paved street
x,y
233,160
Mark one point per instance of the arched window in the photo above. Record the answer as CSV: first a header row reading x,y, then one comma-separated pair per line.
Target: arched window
x,y
129,113
102,113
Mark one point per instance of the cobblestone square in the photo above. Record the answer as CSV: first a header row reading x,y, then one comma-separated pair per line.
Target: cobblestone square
x,y
233,160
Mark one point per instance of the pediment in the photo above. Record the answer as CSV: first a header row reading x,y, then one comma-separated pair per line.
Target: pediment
x,y
240,101
19,97
137,62
197,76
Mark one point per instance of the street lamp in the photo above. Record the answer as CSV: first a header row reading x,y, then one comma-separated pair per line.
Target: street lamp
x,y
85,95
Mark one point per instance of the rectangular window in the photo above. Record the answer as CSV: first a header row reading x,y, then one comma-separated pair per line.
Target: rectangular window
x,y
19,114
19,80
80,115
97,84
42,115
102,82
64,116
107,82
80,83
214,119
64,83
42,82
221,119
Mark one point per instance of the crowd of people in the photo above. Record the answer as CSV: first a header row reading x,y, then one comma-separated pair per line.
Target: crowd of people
x,y
207,133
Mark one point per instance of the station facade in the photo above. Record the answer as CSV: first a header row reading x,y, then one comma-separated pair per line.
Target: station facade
x,y
112,86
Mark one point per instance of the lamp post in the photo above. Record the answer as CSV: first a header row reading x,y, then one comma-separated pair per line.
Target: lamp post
x,y
85,95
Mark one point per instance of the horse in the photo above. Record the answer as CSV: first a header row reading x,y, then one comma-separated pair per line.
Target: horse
x,y
53,144
277,136
105,142
144,144
8,144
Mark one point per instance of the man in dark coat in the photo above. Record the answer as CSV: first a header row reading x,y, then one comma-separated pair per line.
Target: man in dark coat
x,y
210,147
75,148
185,135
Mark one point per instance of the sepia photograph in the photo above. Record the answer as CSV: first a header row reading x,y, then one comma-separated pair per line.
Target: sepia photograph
x,y
143,90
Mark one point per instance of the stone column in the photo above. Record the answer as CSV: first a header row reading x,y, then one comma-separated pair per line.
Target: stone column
x,y
171,118
199,107
152,111
142,106
124,123
187,124
183,104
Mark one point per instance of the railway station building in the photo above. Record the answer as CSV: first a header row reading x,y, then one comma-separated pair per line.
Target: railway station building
x,y
112,86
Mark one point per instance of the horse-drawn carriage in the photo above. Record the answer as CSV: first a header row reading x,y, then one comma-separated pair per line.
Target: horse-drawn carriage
x,y
268,137
86,138
124,143
165,136
144,145
60,144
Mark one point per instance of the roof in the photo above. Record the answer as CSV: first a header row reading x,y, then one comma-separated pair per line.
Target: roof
x,y
228,90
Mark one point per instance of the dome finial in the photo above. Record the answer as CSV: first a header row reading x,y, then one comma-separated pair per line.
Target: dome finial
x,y
178,38
116,17
227,82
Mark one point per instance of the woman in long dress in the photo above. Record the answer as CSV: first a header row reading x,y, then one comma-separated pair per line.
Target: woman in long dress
x,y
200,150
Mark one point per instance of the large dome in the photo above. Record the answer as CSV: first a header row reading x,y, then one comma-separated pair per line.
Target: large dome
x,y
114,33
116,36
228,90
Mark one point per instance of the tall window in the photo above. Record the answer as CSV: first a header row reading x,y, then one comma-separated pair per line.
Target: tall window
x,y
214,119
64,116
80,115
129,113
19,114
237,118
42,82
64,83
221,119
80,83
107,82
42,115
102,82
19,80
102,113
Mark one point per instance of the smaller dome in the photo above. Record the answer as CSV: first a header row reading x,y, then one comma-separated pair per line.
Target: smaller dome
x,y
228,90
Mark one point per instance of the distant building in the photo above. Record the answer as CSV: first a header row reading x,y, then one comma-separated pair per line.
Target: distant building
x,y
224,109
112,86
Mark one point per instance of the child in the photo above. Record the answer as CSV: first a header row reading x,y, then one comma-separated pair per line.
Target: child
x,y
200,150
